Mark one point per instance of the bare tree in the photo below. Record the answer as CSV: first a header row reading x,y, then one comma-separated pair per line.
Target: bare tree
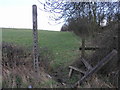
x,y
64,9
82,28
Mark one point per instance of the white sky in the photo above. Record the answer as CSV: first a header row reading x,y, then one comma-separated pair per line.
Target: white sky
x,y
18,14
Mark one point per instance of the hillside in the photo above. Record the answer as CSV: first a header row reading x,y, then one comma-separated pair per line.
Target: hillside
x,y
63,45
57,50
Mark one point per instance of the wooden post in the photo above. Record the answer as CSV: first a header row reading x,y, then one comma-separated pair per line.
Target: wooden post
x,y
115,40
0,58
70,72
35,38
83,48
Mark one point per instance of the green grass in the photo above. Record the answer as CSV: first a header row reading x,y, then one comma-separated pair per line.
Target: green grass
x,y
64,45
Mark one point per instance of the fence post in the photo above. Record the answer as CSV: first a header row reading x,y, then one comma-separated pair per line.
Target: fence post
x,y
35,38
83,48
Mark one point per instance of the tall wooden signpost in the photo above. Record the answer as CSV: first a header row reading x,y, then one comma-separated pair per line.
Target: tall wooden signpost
x,y
35,39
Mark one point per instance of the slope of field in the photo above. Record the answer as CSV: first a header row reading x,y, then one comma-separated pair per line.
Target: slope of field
x,y
63,45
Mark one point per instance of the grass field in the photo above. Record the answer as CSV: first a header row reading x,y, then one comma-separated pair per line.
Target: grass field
x,y
63,45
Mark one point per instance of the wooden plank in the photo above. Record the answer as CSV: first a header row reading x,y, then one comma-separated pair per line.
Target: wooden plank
x,y
98,66
76,69
89,48
89,67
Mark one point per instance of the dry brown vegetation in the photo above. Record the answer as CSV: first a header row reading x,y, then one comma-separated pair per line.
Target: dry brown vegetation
x,y
17,69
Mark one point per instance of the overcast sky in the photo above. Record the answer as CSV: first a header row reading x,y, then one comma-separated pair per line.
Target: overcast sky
x,y
18,14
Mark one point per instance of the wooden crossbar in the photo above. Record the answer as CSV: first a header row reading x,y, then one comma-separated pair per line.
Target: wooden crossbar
x,y
89,48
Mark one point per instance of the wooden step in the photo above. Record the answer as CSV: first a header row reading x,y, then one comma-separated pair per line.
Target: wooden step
x,y
76,69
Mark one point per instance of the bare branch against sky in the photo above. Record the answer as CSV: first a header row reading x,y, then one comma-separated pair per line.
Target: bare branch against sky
x,y
18,14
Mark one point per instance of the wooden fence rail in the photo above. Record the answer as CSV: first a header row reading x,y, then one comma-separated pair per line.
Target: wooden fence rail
x,y
90,48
